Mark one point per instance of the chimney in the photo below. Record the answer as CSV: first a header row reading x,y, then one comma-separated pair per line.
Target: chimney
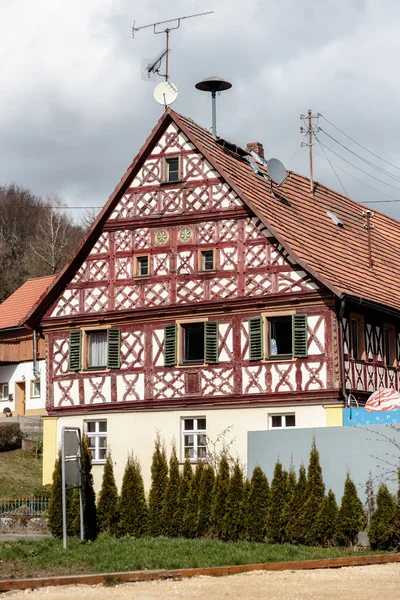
x,y
257,147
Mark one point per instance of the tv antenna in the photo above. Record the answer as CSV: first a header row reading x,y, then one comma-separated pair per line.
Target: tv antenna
x,y
152,67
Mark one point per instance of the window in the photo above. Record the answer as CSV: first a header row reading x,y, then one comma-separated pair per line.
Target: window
x,y
97,438
96,349
3,391
193,343
389,338
282,421
279,336
207,260
35,388
357,337
142,265
194,439
172,169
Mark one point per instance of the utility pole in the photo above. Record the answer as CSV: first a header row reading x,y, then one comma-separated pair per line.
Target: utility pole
x,y
309,130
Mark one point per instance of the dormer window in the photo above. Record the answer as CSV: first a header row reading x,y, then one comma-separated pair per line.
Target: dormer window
x,y
172,169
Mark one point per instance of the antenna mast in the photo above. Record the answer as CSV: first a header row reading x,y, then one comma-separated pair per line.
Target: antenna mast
x,y
310,130
167,30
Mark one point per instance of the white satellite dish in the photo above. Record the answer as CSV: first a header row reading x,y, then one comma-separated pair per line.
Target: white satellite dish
x,y
276,171
165,93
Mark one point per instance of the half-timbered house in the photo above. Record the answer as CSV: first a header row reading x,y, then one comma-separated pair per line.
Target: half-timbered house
x,y
206,299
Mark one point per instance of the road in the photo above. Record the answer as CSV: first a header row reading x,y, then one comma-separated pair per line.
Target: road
x,y
357,583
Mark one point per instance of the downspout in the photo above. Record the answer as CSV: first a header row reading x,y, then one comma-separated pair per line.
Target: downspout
x,y
35,370
341,314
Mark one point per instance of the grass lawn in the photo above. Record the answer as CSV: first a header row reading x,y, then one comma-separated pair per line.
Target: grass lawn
x,y
107,554
20,473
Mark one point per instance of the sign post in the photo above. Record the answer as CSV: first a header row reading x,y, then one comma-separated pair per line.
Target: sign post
x,y
71,473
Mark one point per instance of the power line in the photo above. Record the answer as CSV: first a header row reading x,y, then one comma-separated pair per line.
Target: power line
x,y
358,144
371,164
332,167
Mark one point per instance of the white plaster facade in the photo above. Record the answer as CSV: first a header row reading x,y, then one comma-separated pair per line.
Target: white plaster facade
x,y
22,374
133,431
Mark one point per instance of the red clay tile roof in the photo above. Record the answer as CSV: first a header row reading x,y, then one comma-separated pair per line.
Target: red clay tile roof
x,y
337,257
14,310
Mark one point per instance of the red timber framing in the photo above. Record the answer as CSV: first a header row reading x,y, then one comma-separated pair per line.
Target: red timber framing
x,y
255,275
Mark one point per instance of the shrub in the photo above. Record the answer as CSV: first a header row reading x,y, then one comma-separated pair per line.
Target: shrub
x,y
351,518
132,503
326,521
184,487
205,496
219,496
10,437
316,494
55,521
381,530
107,507
257,508
276,512
233,521
89,498
190,517
159,482
295,526
170,514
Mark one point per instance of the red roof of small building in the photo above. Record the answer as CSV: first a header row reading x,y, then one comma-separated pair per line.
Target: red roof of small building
x,y
336,256
15,309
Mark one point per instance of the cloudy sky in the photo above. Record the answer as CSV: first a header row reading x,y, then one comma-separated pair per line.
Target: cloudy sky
x,y
74,110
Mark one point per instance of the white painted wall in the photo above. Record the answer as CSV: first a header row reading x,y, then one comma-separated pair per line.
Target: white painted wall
x,y
136,431
23,372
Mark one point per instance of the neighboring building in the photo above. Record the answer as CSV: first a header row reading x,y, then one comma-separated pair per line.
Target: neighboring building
x,y
22,374
205,298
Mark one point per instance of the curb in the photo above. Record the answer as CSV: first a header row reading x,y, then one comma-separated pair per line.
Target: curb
x,y
7,585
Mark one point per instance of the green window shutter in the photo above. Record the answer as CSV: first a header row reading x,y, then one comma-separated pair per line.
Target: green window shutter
x,y
211,342
256,345
75,344
113,348
300,336
170,345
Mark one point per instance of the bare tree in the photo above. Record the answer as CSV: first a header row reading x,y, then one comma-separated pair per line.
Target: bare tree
x,y
88,217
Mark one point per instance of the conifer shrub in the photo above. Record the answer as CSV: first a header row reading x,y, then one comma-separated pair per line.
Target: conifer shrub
x,y
316,495
219,496
295,525
326,521
55,521
170,514
276,524
381,531
159,482
107,507
351,518
245,508
204,513
233,523
257,506
89,497
132,503
184,487
190,519
290,491
396,520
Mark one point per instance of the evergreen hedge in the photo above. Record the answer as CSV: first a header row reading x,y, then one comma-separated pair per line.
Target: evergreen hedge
x,y
204,513
183,494
295,526
257,507
132,503
276,524
316,494
219,496
382,527
107,507
233,522
190,518
159,482
170,512
351,518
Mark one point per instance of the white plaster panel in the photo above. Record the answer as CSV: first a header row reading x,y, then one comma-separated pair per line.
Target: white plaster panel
x,y
253,379
278,370
130,387
228,259
66,393
313,375
132,349
158,347
169,384
97,389
226,352
244,340
319,334
68,304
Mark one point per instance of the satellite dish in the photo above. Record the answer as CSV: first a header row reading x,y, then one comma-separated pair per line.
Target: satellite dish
x,y
165,93
276,171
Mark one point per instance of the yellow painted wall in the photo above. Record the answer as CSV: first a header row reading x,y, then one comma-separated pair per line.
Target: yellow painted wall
x,y
334,416
135,431
49,447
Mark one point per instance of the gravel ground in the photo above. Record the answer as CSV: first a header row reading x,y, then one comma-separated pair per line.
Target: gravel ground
x,y
357,583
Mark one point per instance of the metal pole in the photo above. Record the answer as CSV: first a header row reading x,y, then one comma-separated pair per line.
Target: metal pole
x,y
81,488
310,151
214,114
64,491
166,56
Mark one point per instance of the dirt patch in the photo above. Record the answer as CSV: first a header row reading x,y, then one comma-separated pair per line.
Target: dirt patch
x,y
357,583
10,569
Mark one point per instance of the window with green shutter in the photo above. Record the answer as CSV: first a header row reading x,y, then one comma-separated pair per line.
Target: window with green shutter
x,y
75,345
113,348
211,342
170,345
256,346
300,336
